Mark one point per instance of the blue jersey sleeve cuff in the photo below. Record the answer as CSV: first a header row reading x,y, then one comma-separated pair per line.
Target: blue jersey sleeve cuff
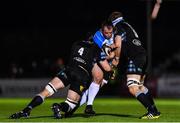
x,y
99,39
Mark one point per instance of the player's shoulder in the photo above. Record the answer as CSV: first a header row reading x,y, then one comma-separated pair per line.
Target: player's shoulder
x,y
98,38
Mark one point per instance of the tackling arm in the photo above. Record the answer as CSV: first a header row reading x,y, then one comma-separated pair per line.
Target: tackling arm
x,y
117,46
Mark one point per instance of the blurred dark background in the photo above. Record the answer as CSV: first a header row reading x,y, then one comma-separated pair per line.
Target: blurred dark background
x,y
36,38
35,34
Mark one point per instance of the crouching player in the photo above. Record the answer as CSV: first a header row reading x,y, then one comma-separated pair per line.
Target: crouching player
x,y
77,74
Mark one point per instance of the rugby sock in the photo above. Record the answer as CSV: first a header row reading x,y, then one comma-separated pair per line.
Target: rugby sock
x,y
103,83
144,100
37,100
68,105
64,107
84,98
149,96
93,90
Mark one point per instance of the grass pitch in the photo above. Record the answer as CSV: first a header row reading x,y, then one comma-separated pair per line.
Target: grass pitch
x,y
107,109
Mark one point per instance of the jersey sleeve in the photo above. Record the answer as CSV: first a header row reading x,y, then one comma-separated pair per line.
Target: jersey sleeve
x,y
98,39
96,54
121,32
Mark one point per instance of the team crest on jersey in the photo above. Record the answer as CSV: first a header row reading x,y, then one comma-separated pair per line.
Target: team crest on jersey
x,y
136,42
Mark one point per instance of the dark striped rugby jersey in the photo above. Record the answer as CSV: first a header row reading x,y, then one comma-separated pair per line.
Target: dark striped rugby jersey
x,y
131,45
84,54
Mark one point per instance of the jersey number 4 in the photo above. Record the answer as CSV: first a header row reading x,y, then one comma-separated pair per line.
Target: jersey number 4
x,y
80,51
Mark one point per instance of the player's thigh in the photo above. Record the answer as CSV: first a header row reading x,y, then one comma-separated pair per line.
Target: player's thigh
x,y
73,95
142,88
97,74
57,83
52,87
133,83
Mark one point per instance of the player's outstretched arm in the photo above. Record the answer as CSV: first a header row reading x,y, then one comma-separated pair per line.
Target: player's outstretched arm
x,y
156,9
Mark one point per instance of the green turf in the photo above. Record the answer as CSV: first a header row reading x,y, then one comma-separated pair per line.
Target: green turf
x,y
108,110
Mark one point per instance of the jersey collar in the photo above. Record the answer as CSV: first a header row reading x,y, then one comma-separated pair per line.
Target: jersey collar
x,y
117,20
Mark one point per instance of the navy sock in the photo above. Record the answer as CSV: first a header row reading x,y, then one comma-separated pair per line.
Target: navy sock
x,y
153,106
64,107
145,101
37,100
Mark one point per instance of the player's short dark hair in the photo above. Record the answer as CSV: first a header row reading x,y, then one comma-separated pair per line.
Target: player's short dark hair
x,y
114,15
108,24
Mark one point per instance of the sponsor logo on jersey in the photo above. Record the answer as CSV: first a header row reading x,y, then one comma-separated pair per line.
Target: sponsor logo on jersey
x,y
136,42
79,60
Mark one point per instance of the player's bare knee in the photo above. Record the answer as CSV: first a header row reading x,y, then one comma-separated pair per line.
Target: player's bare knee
x,y
57,83
72,104
51,89
144,89
133,85
97,74
133,89
45,93
72,95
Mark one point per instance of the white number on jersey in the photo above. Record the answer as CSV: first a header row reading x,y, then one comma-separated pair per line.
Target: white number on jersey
x,y
80,51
